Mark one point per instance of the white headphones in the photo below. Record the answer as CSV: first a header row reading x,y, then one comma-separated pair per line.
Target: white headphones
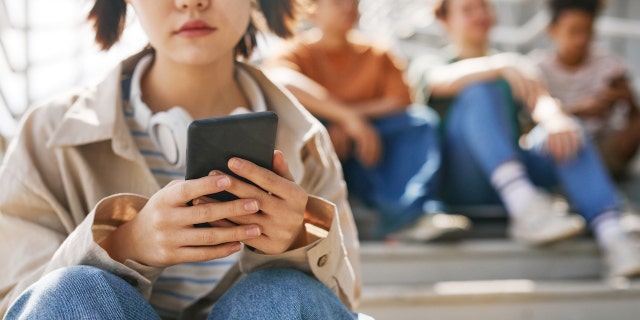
x,y
168,130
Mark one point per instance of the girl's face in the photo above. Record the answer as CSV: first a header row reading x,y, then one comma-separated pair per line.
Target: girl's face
x,y
572,33
195,32
470,20
336,16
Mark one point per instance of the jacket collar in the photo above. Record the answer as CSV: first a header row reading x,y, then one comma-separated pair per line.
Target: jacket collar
x,y
96,114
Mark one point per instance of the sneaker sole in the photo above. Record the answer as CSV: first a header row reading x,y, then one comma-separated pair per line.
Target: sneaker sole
x,y
444,236
561,237
632,272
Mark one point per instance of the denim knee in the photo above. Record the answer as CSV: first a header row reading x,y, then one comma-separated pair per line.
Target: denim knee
x,y
415,116
79,274
80,292
480,87
280,294
80,277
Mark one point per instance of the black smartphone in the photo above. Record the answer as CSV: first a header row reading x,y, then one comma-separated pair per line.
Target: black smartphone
x,y
212,142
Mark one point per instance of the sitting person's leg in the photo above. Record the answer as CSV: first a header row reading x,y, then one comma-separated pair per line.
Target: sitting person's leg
x,y
482,159
405,185
280,294
592,192
480,132
81,292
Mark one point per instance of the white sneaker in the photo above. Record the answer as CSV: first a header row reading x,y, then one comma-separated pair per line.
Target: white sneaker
x,y
630,221
544,223
435,226
622,257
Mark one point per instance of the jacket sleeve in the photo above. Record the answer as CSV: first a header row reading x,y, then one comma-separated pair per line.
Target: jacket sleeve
x,y
333,257
38,234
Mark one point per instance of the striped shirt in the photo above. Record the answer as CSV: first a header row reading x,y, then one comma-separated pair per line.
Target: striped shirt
x,y
178,286
574,86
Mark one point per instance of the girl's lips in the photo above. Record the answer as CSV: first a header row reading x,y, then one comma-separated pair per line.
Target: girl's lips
x,y
195,28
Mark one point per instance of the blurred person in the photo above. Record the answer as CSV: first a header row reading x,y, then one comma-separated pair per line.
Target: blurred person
x,y
90,225
590,82
486,161
389,149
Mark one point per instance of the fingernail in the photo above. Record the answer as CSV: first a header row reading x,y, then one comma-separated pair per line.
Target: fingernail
x,y
253,232
196,202
236,247
235,163
251,206
223,182
214,172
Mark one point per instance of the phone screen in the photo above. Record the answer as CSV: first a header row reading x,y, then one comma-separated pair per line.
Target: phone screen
x,y
212,142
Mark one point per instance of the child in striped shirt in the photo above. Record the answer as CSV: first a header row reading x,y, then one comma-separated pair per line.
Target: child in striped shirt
x,y
591,83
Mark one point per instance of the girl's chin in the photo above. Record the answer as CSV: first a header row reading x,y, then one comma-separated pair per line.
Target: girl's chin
x,y
198,56
479,37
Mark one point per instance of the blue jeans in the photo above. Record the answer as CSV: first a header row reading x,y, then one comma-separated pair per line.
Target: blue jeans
x,y
480,135
84,292
405,184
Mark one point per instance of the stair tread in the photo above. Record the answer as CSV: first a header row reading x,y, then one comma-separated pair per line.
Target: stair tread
x,y
495,259
470,248
504,290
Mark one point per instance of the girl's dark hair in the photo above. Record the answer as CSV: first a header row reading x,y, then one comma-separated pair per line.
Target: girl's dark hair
x,y
558,7
441,9
108,18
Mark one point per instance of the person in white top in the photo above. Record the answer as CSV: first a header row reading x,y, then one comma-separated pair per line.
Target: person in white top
x,y
591,83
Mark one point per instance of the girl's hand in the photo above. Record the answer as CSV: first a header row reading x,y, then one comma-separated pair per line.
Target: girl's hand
x,y
281,203
162,234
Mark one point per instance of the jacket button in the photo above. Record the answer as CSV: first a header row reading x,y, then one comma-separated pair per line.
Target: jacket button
x,y
323,260
130,280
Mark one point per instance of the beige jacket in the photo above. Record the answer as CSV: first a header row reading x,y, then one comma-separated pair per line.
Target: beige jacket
x,y
74,173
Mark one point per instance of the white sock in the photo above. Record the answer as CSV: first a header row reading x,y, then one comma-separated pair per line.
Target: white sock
x,y
512,183
607,227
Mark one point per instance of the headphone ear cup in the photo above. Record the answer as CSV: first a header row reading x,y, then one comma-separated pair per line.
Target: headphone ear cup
x,y
168,130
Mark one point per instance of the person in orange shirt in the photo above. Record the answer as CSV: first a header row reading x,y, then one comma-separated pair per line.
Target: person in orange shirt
x,y
389,149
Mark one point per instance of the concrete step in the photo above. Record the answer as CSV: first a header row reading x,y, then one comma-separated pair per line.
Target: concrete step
x,y
477,259
505,299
